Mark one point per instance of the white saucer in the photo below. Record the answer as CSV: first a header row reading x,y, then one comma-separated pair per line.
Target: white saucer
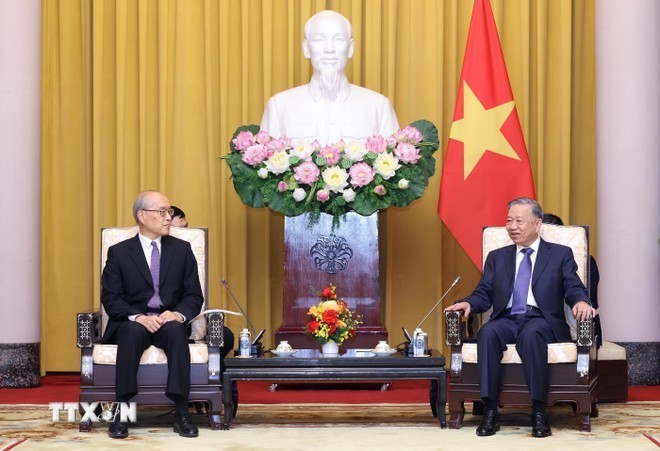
x,y
384,353
282,353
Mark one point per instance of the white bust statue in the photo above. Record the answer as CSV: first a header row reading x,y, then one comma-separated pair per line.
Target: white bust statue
x,y
328,108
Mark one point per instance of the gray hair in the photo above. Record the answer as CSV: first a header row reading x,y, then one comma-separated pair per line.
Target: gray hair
x,y
141,203
537,211
329,13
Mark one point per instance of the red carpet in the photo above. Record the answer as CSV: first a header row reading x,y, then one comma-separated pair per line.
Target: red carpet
x,y
644,393
63,387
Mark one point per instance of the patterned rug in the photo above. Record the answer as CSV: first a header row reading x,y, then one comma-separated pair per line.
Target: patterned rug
x,y
632,426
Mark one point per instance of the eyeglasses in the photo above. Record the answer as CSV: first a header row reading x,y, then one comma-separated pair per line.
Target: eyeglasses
x,y
163,211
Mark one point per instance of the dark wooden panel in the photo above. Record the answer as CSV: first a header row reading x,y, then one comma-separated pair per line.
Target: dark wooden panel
x,y
348,257
612,381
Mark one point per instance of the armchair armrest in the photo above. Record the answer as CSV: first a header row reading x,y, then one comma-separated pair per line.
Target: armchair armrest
x,y
454,328
215,329
88,330
587,352
585,332
215,338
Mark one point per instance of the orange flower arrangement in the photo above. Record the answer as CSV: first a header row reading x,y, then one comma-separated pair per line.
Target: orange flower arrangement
x,y
331,319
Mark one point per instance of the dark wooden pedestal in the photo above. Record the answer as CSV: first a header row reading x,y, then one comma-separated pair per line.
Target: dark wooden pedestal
x,y
347,257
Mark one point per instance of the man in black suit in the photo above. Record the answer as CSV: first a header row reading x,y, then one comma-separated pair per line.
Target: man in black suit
x,y
527,284
150,289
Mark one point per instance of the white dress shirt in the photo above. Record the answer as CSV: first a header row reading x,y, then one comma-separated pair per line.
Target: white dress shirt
x,y
531,300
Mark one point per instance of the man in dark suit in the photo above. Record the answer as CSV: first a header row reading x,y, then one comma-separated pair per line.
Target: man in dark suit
x,y
527,284
150,289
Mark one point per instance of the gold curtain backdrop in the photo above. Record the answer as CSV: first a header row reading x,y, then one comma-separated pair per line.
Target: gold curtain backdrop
x,y
147,94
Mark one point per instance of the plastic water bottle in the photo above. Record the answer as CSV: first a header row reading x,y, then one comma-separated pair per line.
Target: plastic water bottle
x,y
420,339
244,343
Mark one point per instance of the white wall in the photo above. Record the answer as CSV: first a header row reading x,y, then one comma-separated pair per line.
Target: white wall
x,y
20,98
628,140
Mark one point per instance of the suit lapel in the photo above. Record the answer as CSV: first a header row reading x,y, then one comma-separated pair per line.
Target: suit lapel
x,y
541,260
137,255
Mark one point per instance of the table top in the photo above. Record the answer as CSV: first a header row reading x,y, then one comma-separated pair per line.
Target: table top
x,y
346,358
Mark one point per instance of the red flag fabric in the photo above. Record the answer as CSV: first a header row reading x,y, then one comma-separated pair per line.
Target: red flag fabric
x,y
486,163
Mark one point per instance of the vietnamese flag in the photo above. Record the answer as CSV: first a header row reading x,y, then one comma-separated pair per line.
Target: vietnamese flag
x,y
486,164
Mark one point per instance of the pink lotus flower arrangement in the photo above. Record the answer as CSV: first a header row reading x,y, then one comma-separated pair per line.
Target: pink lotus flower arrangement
x,y
305,177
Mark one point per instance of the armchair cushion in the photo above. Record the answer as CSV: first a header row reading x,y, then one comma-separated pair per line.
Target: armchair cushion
x,y
611,351
557,353
107,354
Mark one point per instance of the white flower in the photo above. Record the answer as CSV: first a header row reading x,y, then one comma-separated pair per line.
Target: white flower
x,y
335,178
278,163
355,150
403,184
302,150
348,195
262,173
386,165
299,194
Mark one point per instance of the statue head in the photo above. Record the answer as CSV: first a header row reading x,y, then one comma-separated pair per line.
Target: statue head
x,y
328,43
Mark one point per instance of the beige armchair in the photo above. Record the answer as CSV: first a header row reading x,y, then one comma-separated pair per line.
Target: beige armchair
x,y
97,368
572,373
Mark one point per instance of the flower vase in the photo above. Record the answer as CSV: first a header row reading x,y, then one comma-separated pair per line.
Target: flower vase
x,y
330,349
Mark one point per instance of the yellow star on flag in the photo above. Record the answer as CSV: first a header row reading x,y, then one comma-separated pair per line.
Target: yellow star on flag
x,y
479,130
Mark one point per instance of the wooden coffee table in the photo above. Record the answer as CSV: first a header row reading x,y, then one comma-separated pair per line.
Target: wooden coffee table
x,y
351,365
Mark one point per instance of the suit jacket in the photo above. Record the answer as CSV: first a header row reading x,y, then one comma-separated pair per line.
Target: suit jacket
x,y
126,284
554,281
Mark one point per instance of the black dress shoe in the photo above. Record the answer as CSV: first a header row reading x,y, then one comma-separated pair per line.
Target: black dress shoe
x,y
118,430
489,424
540,425
184,426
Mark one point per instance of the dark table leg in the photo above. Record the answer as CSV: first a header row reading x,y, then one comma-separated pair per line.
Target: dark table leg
x,y
227,401
438,395
433,397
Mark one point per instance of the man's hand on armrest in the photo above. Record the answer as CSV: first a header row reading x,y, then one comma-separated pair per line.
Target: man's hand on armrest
x,y
583,311
463,305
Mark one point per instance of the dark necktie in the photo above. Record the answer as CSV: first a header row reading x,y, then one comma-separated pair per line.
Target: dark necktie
x,y
153,307
521,286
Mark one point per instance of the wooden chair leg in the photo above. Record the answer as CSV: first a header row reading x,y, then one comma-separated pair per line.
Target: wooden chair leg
x,y
594,410
85,426
215,420
213,413
582,416
456,412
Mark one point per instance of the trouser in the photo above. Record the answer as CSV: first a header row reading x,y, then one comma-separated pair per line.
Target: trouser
x,y
133,339
531,333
